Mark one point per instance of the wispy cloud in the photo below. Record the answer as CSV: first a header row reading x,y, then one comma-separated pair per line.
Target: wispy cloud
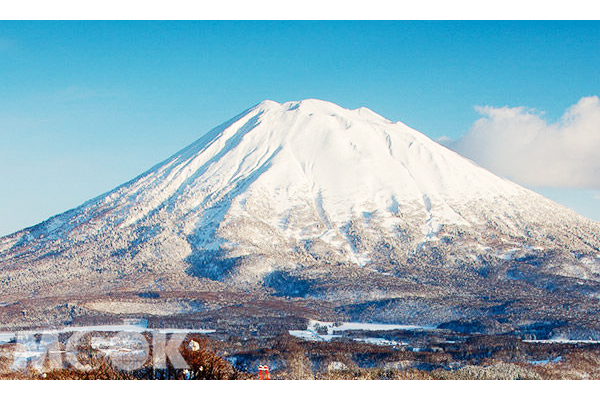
x,y
520,144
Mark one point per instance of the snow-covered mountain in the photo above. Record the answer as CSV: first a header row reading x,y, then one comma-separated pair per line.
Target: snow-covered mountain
x,y
307,199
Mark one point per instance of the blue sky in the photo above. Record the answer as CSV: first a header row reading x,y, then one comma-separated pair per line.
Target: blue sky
x,y
86,106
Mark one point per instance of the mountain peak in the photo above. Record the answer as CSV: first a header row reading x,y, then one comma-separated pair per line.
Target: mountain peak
x,y
317,106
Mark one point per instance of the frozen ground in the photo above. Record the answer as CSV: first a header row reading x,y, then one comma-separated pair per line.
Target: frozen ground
x,y
326,331
146,308
563,340
139,327
111,339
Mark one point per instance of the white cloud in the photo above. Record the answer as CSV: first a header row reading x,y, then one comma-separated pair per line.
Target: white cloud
x,y
519,144
444,140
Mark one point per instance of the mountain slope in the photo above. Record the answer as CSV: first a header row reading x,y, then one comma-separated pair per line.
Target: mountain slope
x,y
309,199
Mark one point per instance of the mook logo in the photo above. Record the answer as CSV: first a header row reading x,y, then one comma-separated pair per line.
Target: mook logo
x,y
127,351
